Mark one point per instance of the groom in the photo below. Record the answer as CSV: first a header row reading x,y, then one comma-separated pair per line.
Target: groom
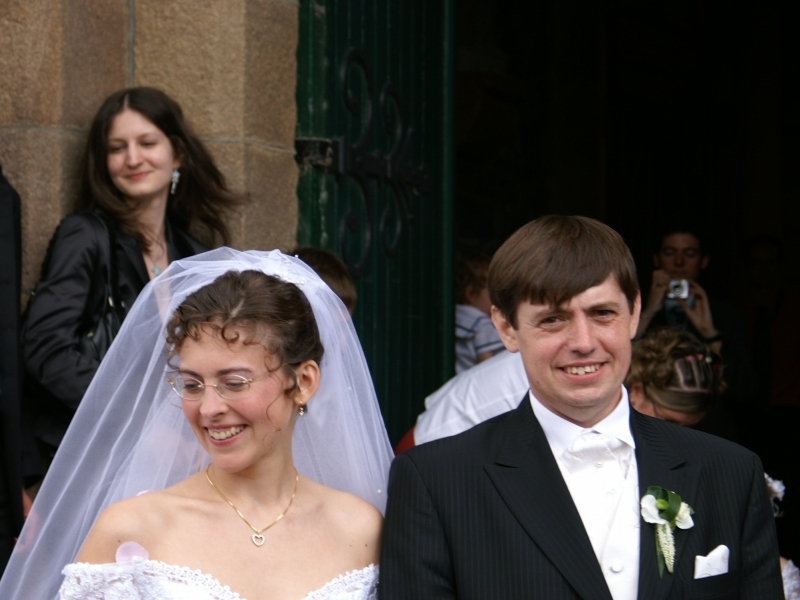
x,y
544,501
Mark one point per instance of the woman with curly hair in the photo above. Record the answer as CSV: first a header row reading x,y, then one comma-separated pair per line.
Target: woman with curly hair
x,y
674,377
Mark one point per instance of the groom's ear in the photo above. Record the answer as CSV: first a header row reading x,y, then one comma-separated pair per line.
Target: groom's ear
x,y
507,332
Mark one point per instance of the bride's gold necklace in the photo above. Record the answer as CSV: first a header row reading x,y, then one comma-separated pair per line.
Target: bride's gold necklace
x,y
257,537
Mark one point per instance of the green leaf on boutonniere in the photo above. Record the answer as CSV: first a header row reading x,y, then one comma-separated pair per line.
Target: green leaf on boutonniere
x,y
667,502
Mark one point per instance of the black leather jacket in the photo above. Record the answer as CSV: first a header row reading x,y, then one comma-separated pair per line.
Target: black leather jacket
x,y
70,292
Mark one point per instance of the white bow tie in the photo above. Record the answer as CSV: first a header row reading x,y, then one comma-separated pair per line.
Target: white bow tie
x,y
593,450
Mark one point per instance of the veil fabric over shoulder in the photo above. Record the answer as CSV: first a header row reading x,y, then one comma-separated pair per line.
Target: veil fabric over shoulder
x,y
129,434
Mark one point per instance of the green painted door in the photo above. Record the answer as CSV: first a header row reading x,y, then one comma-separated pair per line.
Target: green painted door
x,y
375,144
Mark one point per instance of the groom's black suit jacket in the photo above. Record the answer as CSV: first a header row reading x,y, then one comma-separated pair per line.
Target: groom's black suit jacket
x,y
486,514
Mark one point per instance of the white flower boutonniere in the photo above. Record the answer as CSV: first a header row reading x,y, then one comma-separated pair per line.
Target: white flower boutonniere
x,y
666,511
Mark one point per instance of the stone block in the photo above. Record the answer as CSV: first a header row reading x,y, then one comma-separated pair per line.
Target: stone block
x,y
229,156
194,51
31,62
269,220
60,59
42,164
271,71
95,57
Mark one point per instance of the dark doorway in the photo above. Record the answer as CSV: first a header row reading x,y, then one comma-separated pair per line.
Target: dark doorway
x,y
631,114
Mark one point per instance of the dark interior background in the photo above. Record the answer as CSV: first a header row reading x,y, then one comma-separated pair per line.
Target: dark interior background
x,y
634,115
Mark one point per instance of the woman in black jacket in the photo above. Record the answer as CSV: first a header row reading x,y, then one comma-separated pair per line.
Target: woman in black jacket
x,y
146,177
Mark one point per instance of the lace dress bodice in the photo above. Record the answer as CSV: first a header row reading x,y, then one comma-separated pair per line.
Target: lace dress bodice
x,y
141,579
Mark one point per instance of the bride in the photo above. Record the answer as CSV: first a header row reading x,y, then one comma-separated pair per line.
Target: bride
x,y
230,446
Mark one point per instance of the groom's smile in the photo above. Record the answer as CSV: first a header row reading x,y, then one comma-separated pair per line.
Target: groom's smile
x,y
583,369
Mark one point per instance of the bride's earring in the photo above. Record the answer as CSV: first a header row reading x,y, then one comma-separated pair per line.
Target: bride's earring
x,y
301,410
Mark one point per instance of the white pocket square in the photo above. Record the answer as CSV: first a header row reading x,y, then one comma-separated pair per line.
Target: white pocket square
x,y
716,563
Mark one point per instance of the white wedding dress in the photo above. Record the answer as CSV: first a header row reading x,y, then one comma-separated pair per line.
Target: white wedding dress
x,y
138,578
129,434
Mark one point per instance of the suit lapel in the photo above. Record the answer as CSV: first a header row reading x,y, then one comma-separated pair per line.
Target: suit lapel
x,y
661,464
528,479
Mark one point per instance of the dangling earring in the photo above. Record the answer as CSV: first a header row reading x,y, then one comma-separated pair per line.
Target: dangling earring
x,y
176,177
301,410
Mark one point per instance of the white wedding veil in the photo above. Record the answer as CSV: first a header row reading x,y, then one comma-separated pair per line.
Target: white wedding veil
x,y
129,434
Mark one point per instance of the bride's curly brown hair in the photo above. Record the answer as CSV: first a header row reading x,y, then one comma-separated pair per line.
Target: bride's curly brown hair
x,y
251,307
677,371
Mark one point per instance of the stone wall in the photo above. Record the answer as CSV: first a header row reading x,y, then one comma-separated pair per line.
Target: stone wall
x,y
231,65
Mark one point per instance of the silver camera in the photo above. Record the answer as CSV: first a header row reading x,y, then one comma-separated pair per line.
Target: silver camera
x,y
678,288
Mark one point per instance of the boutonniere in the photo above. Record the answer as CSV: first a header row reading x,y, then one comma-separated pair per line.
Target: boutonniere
x,y
666,511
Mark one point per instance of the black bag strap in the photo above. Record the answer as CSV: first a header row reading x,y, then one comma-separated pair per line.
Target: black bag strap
x,y
112,285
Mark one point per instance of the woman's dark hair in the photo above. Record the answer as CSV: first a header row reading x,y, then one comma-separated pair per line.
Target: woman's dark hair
x,y
677,371
202,194
252,308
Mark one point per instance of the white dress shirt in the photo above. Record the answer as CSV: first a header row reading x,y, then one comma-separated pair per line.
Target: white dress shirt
x,y
598,465
488,389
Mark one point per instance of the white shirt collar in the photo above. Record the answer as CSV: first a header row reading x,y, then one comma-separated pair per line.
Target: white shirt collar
x,y
560,433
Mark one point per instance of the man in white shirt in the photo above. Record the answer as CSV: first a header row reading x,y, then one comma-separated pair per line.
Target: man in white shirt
x,y
473,396
544,501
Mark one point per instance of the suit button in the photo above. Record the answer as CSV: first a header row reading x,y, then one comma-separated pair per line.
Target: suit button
x,y
617,566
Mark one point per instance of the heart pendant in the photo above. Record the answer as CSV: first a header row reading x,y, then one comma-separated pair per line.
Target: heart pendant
x,y
258,539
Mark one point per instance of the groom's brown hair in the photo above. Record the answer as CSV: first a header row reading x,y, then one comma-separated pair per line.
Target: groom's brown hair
x,y
553,259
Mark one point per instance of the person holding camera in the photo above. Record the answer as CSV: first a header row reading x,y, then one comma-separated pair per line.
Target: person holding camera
x,y
676,300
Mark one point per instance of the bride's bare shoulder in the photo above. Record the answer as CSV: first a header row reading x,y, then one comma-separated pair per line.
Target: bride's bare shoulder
x,y
142,519
349,517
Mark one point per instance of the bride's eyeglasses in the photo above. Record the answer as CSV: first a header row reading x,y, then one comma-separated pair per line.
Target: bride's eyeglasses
x,y
230,387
